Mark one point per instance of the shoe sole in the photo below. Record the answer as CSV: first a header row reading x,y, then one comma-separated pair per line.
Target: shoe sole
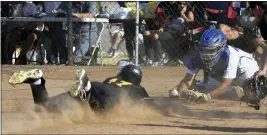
x,y
77,86
20,76
79,74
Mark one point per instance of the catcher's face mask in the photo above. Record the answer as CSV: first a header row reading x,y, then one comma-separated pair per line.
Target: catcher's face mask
x,y
211,55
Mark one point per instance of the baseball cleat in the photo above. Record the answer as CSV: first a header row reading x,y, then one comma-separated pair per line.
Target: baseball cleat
x,y
19,77
81,82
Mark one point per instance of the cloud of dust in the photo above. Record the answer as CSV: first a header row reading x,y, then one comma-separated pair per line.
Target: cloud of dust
x,y
30,117
27,118
129,112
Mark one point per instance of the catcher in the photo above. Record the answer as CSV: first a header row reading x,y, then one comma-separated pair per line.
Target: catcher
x,y
100,96
228,65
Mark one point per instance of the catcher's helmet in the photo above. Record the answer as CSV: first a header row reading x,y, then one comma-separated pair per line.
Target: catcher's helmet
x,y
131,73
211,46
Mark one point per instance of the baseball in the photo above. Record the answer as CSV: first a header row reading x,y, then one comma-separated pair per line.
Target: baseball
x,y
173,93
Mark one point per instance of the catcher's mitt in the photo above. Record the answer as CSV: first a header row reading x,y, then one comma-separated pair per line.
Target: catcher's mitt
x,y
258,89
195,96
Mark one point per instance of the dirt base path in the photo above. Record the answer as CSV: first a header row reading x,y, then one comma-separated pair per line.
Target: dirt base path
x,y
218,116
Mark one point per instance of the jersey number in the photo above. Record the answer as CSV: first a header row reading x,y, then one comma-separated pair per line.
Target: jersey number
x,y
119,83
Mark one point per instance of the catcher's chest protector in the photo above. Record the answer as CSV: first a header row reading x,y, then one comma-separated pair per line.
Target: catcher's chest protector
x,y
217,71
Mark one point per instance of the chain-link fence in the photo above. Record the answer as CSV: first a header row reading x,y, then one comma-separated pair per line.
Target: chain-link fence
x,y
104,33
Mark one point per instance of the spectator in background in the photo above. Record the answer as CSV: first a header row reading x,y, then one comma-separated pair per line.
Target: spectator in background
x,y
178,15
152,46
85,33
49,6
22,33
10,31
251,39
260,11
175,25
229,24
33,28
185,11
57,35
215,10
221,11
101,13
115,40
129,30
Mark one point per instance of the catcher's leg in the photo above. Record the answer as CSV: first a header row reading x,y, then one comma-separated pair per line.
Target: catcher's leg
x,y
35,78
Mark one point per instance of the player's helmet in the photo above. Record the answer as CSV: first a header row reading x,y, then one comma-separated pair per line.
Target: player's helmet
x,y
131,73
211,46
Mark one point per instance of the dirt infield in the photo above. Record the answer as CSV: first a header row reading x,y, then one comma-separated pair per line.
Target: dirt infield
x,y
216,117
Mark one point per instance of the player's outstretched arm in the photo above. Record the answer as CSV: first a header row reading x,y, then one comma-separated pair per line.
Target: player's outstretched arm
x,y
186,82
196,96
150,102
222,88
184,85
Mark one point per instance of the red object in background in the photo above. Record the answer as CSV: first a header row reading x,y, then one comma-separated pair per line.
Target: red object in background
x,y
161,17
258,11
214,11
231,13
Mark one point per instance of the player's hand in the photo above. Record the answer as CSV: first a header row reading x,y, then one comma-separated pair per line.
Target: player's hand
x,y
260,73
184,10
54,11
75,14
195,96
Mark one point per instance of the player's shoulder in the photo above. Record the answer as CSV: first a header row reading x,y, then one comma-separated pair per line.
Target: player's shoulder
x,y
232,49
235,52
133,87
231,54
109,79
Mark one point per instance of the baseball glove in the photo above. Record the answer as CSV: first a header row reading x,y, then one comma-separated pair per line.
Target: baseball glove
x,y
258,92
195,96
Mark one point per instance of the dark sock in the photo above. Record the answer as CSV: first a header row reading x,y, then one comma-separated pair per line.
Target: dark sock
x,y
39,93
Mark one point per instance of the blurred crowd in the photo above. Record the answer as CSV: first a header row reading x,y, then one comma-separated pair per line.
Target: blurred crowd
x,y
172,32
49,37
